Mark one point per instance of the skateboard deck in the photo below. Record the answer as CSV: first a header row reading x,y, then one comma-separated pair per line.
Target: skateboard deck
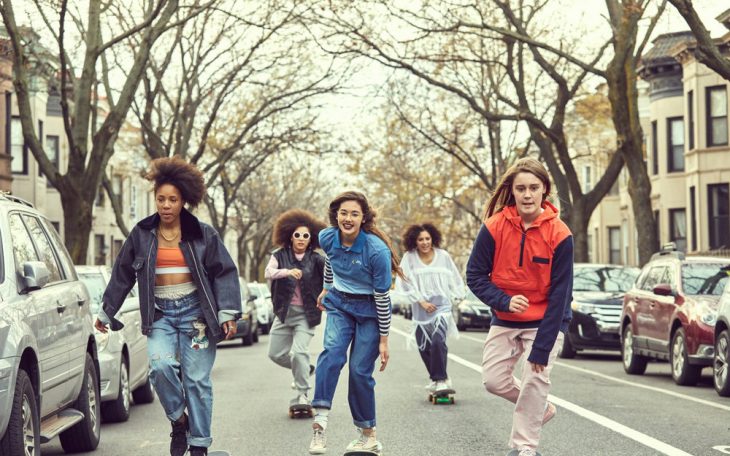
x,y
219,453
362,453
300,411
442,397
514,452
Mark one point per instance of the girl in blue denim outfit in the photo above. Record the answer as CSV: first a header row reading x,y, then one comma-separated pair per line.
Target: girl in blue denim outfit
x,y
357,279
189,299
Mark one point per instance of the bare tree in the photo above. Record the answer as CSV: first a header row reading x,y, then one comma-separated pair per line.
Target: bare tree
x,y
91,140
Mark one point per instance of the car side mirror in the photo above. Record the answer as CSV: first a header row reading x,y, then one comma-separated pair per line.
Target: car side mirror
x,y
663,289
35,275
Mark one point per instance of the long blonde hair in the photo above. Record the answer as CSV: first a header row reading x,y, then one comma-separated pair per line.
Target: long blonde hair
x,y
503,196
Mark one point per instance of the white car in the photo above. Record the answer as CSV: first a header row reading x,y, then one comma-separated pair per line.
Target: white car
x,y
123,362
264,305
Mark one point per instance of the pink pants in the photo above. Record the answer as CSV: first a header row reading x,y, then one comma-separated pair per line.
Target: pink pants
x,y
502,349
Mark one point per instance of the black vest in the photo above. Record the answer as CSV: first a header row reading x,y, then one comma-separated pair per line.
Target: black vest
x,y
282,290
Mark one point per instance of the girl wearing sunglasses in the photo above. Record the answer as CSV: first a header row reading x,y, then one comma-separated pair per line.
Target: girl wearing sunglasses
x,y
295,273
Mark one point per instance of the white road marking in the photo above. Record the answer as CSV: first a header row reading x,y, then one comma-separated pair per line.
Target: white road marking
x,y
601,420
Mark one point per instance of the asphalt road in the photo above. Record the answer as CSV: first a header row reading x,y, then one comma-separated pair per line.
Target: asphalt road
x,y
601,410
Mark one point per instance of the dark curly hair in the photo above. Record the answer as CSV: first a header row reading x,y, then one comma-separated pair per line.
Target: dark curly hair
x,y
411,235
368,223
289,221
186,177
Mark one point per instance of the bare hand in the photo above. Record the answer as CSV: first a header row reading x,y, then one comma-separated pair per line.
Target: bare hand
x,y
101,327
537,368
229,329
518,304
296,273
427,306
320,298
384,355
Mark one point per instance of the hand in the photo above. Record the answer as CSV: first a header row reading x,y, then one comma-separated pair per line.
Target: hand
x,y
229,329
537,368
427,306
101,327
518,304
320,299
384,355
296,273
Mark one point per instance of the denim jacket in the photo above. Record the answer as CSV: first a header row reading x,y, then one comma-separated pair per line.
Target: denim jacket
x,y
211,266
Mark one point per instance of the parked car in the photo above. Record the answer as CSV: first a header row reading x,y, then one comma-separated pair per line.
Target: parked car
x,y
670,314
720,377
472,313
48,358
123,362
247,327
598,296
264,305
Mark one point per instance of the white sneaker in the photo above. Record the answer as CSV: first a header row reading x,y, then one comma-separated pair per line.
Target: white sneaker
x,y
303,400
431,387
440,386
365,443
527,452
318,445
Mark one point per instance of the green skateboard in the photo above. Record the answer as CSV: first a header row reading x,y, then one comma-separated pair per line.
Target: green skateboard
x,y
442,397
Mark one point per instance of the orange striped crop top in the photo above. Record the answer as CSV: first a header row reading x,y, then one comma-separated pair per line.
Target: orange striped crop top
x,y
170,260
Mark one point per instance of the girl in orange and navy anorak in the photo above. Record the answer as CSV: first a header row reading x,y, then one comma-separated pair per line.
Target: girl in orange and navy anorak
x,y
522,266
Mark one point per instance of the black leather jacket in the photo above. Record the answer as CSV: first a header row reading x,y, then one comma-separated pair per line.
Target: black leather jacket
x,y
282,290
211,266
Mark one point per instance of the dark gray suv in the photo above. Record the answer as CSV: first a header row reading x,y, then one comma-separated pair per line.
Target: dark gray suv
x,y
49,382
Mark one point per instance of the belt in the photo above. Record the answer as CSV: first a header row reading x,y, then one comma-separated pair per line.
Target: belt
x,y
353,295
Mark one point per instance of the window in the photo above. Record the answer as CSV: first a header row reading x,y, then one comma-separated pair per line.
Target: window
x,y
99,249
100,196
718,207
653,278
64,258
587,184
614,245
43,244
590,248
117,189
133,202
625,239
53,145
678,228
94,282
691,118
716,116
18,151
675,144
654,149
23,249
693,218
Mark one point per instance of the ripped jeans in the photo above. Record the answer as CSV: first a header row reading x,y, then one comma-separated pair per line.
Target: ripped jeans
x,y
180,364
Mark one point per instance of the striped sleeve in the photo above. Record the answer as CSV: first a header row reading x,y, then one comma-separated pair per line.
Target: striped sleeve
x,y
382,304
328,277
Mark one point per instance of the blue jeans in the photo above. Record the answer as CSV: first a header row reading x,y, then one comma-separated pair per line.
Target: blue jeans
x,y
180,372
351,323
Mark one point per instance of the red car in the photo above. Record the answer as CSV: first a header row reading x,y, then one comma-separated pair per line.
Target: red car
x,y
670,314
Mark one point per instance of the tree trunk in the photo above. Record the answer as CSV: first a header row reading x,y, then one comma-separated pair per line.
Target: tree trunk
x,y
77,225
578,224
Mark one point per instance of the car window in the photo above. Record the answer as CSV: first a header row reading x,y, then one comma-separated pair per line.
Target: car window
x,y
670,274
653,278
95,284
63,256
43,244
23,249
603,278
704,278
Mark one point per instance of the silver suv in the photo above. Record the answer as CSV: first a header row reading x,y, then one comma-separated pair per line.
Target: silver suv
x,y
49,381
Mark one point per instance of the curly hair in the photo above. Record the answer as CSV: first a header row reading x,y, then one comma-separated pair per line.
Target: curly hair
x,y
411,234
368,223
186,177
289,221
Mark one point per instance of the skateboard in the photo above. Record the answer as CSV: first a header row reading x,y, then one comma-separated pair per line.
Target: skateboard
x,y
362,453
300,411
513,452
442,397
219,453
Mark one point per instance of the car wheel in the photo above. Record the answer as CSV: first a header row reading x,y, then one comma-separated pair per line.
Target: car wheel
x,y
247,339
22,436
460,322
117,411
683,372
255,336
144,394
633,364
566,350
84,435
719,366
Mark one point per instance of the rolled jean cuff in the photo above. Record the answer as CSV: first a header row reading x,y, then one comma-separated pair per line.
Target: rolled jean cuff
x,y
364,424
204,442
319,403
176,414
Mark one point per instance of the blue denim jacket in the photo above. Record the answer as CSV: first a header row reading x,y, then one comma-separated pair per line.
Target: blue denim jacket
x,y
211,266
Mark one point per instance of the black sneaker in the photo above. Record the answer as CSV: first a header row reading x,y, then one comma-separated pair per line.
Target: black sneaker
x,y
179,438
198,451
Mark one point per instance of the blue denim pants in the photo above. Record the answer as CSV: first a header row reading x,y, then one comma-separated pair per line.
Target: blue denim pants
x,y
180,367
351,323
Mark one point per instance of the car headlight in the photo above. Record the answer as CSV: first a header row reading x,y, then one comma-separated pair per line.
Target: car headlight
x,y
102,340
583,307
707,311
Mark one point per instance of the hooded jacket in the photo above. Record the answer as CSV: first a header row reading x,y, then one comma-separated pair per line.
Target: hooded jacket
x,y
508,260
213,271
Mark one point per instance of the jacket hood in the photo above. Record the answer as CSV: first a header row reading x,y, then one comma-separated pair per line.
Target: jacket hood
x,y
549,212
189,225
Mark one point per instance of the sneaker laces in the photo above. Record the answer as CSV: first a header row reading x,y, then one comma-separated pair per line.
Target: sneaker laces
x,y
318,438
527,452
